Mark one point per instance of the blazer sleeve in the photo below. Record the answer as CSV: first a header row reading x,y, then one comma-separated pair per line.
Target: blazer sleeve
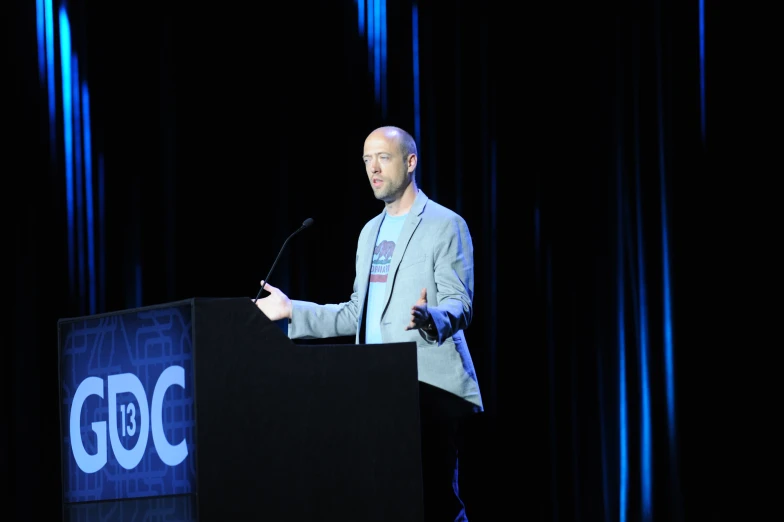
x,y
315,321
453,261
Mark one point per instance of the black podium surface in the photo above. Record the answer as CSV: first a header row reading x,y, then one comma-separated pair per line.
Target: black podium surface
x,y
203,409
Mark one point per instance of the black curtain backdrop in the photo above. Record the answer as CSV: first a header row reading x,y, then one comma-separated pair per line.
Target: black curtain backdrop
x,y
582,143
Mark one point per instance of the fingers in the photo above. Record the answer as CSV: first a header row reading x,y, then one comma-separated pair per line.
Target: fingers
x,y
415,322
419,313
267,285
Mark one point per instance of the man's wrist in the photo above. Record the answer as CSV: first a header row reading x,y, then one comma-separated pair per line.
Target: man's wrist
x,y
430,326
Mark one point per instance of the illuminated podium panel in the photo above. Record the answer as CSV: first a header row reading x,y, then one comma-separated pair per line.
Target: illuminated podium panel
x,y
203,409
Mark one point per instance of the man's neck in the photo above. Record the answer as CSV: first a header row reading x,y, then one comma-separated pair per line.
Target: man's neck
x,y
403,204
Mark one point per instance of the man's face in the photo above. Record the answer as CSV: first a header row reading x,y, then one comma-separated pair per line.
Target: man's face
x,y
388,171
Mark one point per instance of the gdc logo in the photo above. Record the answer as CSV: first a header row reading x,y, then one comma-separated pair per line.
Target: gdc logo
x,y
131,421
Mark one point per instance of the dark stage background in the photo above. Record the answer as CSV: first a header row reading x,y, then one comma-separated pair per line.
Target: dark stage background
x,y
581,142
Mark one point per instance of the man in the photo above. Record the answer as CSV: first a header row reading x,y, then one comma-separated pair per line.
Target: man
x,y
414,282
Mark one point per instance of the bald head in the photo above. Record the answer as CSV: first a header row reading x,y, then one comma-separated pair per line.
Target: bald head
x,y
397,135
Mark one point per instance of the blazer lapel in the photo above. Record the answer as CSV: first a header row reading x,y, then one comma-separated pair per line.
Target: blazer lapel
x,y
402,243
411,224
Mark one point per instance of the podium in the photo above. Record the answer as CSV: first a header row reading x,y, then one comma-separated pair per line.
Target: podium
x,y
203,409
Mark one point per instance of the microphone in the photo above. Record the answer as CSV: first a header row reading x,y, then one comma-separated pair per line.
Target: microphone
x,y
305,224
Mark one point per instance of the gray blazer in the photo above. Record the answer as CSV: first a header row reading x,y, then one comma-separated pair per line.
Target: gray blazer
x,y
434,251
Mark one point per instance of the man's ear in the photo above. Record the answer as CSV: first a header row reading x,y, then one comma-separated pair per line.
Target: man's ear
x,y
412,162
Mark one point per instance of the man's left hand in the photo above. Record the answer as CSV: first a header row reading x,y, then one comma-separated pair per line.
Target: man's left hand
x,y
420,317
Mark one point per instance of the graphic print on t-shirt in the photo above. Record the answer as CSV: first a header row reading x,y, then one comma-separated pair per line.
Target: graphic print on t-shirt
x,y
382,256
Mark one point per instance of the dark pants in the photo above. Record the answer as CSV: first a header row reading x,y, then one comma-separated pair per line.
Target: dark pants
x,y
442,416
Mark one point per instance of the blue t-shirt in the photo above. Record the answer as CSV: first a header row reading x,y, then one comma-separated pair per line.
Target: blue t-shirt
x,y
379,270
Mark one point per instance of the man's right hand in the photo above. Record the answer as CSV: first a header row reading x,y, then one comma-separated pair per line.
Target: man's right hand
x,y
276,305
